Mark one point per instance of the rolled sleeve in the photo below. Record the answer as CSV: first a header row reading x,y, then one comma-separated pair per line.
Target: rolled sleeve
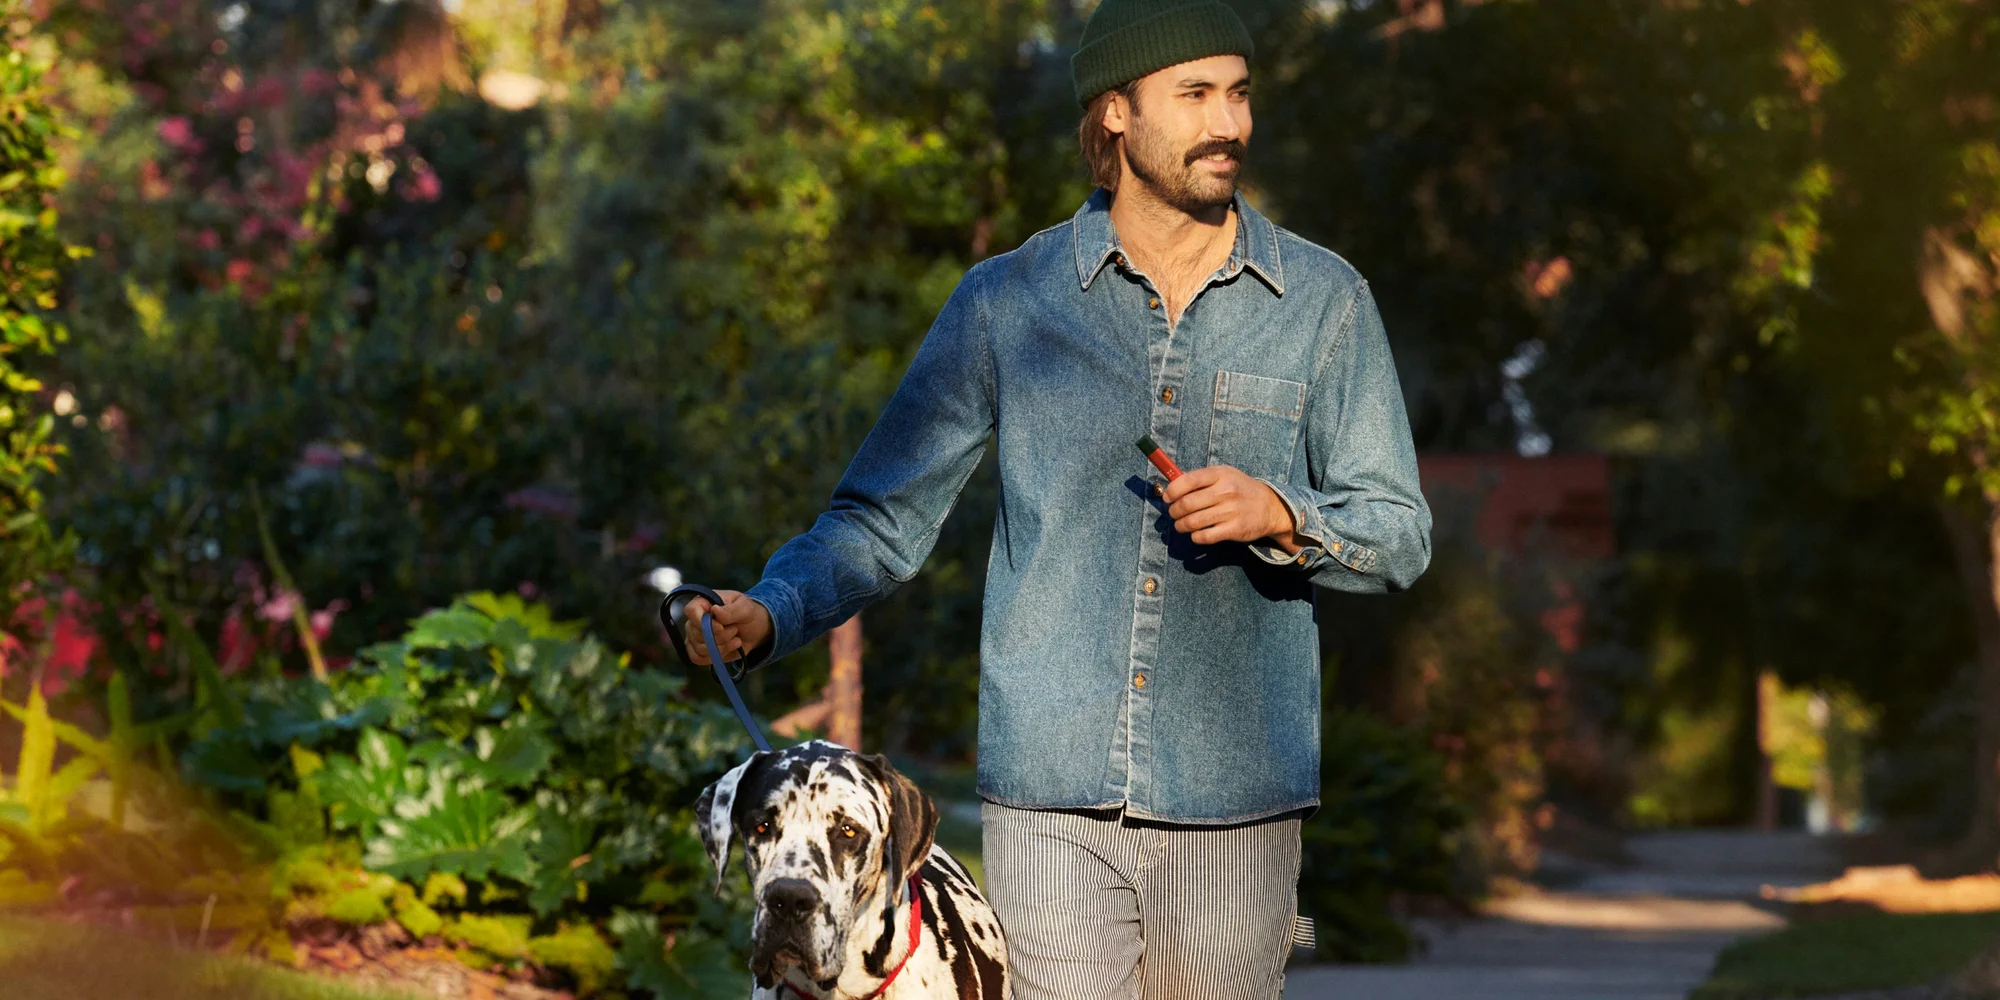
x,y
1364,512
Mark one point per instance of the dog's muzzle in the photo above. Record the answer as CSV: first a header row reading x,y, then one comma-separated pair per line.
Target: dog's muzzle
x,y
785,936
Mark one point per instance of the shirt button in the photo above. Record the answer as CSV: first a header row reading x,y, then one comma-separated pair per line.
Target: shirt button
x,y
1335,546
1167,394
1301,560
1139,681
1150,585
1153,303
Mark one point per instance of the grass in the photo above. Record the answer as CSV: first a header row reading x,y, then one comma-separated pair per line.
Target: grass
x,y
1846,954
46,960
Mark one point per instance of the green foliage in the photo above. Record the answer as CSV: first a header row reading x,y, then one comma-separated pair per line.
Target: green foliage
x,y
1386,827
35,257
499,937
525,777
690,964
581,952
417,917
359,907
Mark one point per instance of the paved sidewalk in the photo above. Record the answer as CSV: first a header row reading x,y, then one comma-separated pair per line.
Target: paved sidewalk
x,y
1648,932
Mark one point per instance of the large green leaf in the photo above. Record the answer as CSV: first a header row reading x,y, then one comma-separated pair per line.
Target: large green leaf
x,y
513,757
457,626
534,618
563,861
362,790
470,832
37,762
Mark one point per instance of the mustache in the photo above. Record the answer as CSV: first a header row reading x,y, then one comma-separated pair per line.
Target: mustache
x,y
1233,147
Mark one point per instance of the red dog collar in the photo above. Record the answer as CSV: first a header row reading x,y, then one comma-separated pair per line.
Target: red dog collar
x,y
916,927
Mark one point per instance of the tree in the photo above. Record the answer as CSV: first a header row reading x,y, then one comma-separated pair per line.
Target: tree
x,y
1890,298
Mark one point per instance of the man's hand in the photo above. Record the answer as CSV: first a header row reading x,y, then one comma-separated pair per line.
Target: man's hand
x,y
1221,503
740,624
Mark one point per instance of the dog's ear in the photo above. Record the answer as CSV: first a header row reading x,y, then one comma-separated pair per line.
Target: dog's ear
x,y
913,821
715,812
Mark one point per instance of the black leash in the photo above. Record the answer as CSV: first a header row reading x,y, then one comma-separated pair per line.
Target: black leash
x,y
673,614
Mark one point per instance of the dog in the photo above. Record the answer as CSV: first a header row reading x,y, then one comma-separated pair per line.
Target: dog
x,y
835,842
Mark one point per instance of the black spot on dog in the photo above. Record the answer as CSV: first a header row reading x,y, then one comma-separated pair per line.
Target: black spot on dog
x,y
876,959
950,926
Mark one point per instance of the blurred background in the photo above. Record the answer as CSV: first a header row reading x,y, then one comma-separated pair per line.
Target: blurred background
x,y
364,363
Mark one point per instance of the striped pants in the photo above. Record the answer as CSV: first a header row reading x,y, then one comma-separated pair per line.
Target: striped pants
x,y
1099,907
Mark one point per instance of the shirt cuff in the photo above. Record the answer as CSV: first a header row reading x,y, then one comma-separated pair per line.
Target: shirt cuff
x,y
1305,526
1311,526
782,602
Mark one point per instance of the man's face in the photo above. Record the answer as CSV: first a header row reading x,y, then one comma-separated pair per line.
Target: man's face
x,y
1186,130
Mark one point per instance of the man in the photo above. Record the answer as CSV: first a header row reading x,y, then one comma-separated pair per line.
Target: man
x,y
1149,678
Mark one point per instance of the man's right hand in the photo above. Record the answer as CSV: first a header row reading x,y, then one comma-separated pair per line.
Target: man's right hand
x,y
740,624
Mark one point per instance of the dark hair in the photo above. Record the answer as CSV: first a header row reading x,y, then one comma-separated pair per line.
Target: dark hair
x,y
1100,145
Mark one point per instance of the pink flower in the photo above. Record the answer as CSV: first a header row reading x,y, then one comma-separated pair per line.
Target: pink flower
x,y
322,620
238,271
177,132
424,186
279,608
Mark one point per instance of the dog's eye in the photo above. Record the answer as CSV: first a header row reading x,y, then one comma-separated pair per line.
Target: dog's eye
x,y
763,828
847,830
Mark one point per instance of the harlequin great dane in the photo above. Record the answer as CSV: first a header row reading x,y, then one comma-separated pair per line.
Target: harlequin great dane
x,y
854,899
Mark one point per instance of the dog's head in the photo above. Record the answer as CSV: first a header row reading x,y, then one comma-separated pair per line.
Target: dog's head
x,y
828,834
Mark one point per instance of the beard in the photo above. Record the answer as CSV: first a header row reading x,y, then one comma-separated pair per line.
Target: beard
x,y
1171,174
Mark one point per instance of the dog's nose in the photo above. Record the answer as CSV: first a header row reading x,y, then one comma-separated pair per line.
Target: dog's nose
x,y
791,898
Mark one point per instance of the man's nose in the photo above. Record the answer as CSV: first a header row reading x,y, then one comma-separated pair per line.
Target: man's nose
x,y
1224,121
791,899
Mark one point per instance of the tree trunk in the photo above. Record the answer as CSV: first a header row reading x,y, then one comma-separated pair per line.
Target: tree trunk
x,y
1975,536
843,687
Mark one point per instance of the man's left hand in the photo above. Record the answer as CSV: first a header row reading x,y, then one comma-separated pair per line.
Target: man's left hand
x,y
1221,503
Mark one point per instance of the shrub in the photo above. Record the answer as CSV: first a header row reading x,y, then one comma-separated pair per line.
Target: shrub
x,y
1386,827
501,780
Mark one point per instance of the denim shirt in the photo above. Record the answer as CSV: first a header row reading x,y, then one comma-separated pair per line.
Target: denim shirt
x,y
1122,665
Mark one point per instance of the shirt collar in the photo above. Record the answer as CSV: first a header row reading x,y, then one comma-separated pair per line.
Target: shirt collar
x,y
1097,242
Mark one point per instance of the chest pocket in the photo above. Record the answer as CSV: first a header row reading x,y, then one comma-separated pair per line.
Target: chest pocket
x,y
1255,424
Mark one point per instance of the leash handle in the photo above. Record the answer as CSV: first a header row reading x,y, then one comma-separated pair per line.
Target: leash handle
x,y
673,615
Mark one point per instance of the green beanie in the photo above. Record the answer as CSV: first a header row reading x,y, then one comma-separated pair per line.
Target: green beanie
x,y
1127,39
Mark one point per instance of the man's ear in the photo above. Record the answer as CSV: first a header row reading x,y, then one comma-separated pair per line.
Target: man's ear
x,y
715,812
1118,112
913,821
